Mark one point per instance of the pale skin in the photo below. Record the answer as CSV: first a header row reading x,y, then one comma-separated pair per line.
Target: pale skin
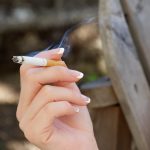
x,y
52,112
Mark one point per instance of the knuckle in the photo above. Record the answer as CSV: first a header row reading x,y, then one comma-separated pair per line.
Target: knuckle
x,y
79,96
75,95
21,125
45,138
29,135
66,104
46,90
60,70
22,69
71,94
29,132
29,77
47,108
44,141
18,115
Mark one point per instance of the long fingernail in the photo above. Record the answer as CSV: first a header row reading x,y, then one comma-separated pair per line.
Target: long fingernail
x,y
61,51
76,108
87,99
77,74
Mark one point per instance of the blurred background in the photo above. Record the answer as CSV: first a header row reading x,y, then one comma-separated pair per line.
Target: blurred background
x,y
27,26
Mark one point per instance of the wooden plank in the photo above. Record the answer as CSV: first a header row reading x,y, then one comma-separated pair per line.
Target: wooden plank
x,y
105,124
124,138
125,71
101,93
137,13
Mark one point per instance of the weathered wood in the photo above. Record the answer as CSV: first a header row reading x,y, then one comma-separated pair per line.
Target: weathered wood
x,y
106,121
125,71
138,13
124,138
101,93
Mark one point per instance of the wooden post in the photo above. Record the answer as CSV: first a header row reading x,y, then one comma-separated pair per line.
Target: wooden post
x,y
125,71
110,127
137,14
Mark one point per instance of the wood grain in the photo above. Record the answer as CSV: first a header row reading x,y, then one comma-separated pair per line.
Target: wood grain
x,y
111,129
125,71
137,14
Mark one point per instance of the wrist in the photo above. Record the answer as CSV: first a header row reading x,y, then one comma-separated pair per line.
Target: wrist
x,y
92,145
84,141
88,143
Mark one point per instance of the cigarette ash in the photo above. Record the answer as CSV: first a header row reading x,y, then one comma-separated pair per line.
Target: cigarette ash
x,y
17,59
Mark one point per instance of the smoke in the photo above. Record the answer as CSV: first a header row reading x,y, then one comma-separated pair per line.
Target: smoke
x,y
65,40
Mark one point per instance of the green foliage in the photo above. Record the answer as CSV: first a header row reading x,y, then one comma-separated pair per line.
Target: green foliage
x,y
90,77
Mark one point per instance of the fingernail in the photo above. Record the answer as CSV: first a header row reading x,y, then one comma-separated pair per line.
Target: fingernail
x,y
76,108
61,51
87,99
77,74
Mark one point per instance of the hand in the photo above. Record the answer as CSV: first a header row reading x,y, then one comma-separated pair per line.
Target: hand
x,y
52,112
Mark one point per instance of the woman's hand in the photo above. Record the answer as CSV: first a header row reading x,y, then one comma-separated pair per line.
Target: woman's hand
x,y
52,112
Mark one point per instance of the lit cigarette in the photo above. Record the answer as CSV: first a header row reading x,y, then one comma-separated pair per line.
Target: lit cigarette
x,y
37,61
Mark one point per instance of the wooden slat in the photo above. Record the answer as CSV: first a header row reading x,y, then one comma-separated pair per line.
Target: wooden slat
x,y
125,71
100,92
124,138
138,13
108,135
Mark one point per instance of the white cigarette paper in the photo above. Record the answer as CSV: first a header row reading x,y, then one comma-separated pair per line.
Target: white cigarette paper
x,y
30,60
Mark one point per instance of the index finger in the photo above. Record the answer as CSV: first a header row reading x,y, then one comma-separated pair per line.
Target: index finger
x,y
54,54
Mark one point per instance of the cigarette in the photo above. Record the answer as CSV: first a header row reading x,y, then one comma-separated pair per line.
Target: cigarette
x,y
37,61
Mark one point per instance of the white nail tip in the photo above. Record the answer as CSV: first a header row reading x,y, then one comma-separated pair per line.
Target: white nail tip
x,y
80,76
88,100
61,50
76,109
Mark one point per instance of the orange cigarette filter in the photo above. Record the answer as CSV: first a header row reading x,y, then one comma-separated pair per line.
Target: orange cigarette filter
x,y
51,63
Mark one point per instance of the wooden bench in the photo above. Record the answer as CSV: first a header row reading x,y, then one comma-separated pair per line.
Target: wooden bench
x,y
120,108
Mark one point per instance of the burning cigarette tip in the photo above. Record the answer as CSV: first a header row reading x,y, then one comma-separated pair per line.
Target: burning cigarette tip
x,y
17,59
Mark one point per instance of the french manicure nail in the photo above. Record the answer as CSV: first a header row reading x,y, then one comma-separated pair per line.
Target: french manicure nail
x,y
77,74
87,99
61,51
76,109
